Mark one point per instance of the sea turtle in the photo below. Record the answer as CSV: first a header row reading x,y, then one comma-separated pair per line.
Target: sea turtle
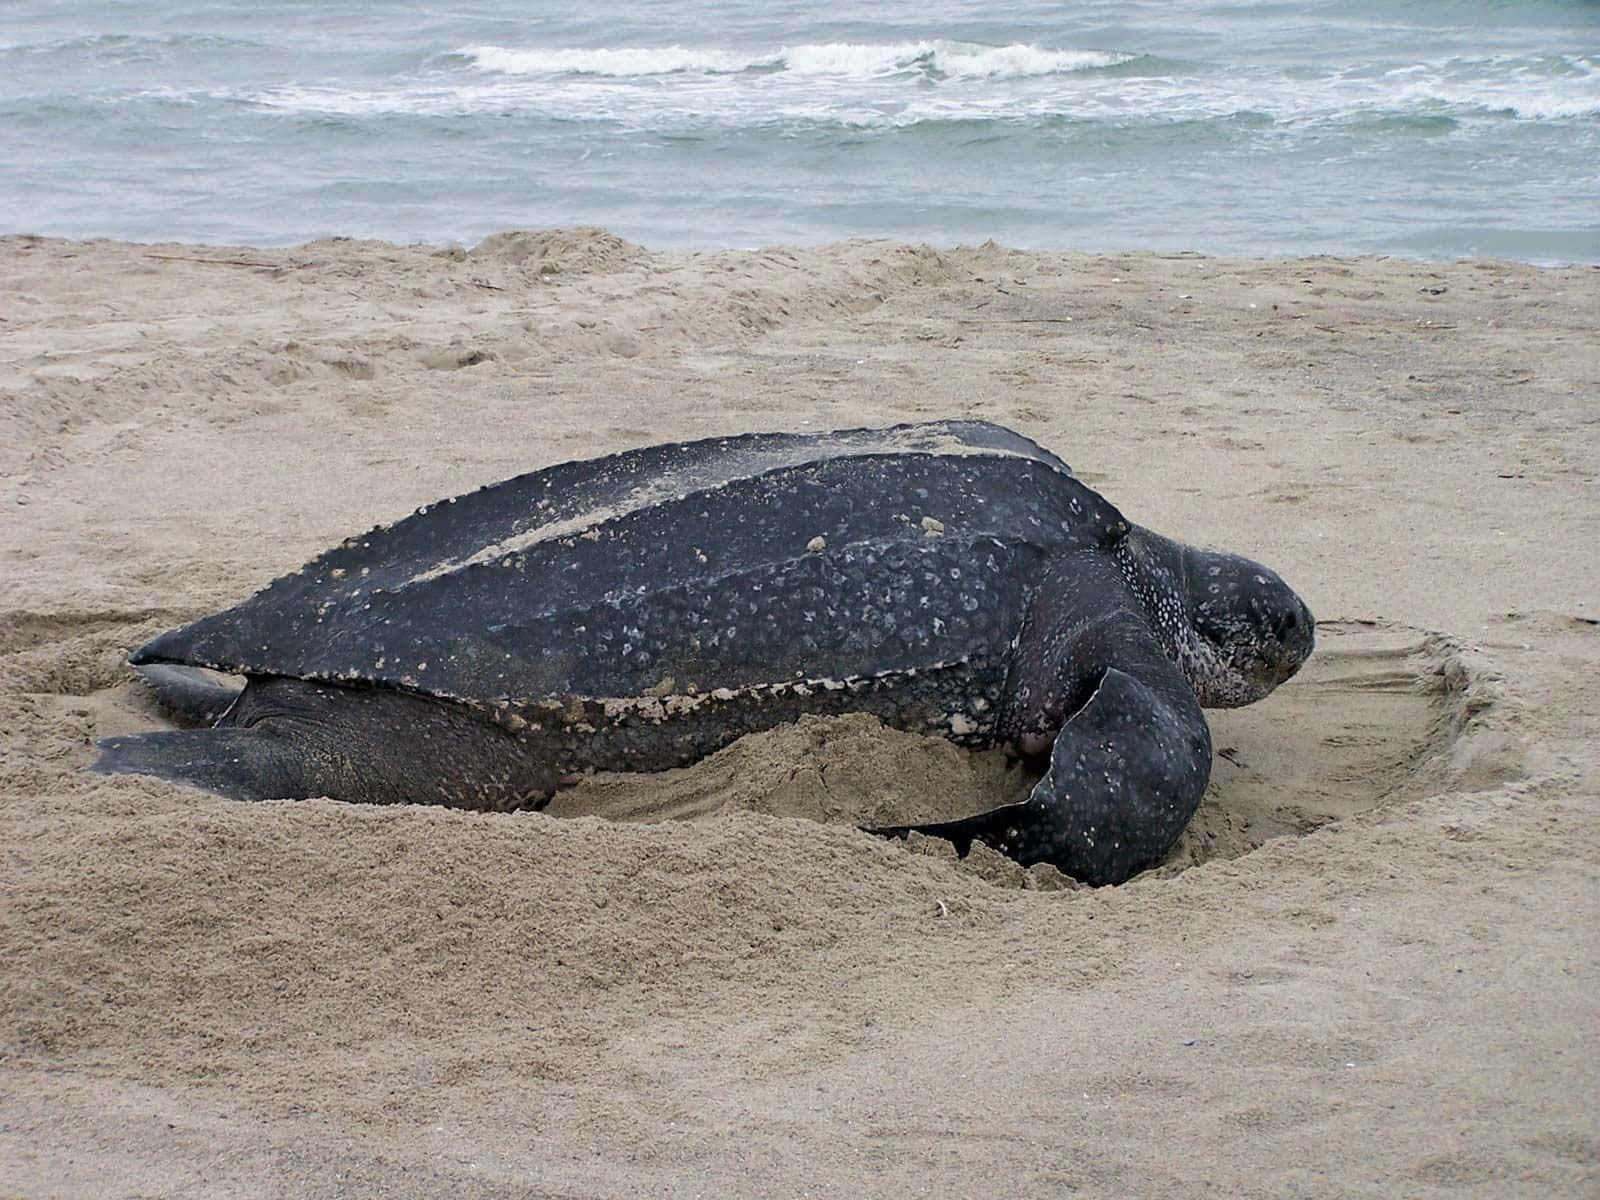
x,y
639,611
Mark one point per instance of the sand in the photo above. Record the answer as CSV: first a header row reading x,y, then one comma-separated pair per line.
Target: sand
x,y
1369,969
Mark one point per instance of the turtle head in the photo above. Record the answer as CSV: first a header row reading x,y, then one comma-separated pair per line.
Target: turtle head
x,y
1257,630
1235,628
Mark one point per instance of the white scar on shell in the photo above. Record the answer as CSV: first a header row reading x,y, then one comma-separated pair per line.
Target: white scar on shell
x,y
700,479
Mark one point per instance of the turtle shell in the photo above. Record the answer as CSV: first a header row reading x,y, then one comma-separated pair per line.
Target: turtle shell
x,y
725,563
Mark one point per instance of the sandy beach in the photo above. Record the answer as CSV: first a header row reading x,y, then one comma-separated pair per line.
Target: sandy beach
x,y
1371,968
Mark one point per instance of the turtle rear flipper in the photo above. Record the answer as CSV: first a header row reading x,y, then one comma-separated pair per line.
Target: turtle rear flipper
x,y
1130,762
294,739
193,694
241,764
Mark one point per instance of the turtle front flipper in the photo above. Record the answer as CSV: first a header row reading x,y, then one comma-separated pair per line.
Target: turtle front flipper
x,y
1132,757
1126,774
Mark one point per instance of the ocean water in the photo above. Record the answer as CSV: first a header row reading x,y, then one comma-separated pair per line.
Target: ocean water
x,y
1423,128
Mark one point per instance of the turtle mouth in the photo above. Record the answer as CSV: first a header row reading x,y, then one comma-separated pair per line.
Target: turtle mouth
x,y
1266,671
1260,676
1282,670
1250,673
1272,655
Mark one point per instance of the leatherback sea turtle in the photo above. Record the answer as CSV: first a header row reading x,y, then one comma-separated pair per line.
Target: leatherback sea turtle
x,y
639,611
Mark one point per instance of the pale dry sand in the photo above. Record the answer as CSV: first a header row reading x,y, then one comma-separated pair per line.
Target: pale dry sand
x,y
1369,970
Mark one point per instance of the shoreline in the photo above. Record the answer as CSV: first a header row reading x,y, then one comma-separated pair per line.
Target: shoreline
x,y
1369,967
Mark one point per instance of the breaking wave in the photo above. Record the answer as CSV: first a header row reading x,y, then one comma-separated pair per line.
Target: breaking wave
x,y
1536,88
848,60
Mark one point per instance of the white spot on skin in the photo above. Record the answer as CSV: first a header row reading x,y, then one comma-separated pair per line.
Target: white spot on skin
x,y
960,725
817,544
932,527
